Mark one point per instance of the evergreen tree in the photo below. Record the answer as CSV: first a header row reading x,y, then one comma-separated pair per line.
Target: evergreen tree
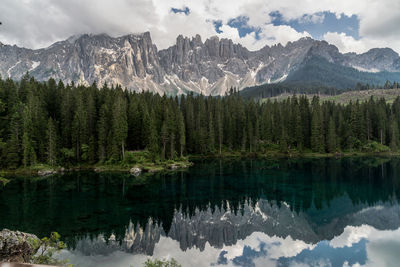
x,y
120,127
52,142
182,135
152,145
103,133
316,124
29,155
211,135
394,137
331,136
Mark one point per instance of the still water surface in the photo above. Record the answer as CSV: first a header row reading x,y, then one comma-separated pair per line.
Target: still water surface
x,y
325,212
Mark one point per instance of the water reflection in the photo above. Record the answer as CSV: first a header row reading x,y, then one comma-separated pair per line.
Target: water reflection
x,y
246,213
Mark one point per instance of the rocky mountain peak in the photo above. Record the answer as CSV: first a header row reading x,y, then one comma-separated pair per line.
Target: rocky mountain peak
x,y
209,67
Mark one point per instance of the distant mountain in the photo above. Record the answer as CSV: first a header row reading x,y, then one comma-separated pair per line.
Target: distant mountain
x,y
191,65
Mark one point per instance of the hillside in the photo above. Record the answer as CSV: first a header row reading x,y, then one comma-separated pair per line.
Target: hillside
x,y
344,98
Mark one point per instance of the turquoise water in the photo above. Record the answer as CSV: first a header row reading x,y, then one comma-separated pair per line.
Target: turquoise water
x,y
325,212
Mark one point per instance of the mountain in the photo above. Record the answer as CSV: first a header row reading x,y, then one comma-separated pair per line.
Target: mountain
x,y
209,67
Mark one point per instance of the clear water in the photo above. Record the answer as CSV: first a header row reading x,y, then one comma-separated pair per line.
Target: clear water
x,y
325,212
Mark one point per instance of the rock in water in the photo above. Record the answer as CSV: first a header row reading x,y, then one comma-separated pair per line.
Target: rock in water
x,y
16,246
136,171
46,172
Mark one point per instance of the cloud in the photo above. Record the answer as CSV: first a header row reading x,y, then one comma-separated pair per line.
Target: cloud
x,y
347,43
39,23
312,18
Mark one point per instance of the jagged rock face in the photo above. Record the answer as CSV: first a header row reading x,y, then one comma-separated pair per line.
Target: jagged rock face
x,y
88,58
376,59
209,67
17,246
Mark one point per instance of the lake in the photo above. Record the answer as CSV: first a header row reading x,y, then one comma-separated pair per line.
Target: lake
x,y
305,212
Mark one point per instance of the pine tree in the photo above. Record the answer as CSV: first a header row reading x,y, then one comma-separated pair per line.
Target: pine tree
x,y
181,131
29,155
164,138
394,137
211,135
79,126
152,144
220,130
331,136
120,127
103,133
13,146
52,142
316,124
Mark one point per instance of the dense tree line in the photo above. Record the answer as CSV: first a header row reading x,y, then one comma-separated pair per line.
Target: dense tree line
x,y
49,122
299,87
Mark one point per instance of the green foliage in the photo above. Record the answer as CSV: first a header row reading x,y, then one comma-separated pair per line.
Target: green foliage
x,y
4,181
133,157
161,263
374,147
66,156
49,247
52,152
65,125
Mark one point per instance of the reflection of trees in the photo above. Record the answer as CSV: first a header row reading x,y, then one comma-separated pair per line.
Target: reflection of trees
x,y
78,204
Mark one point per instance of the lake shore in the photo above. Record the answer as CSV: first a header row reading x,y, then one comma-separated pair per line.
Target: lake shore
x,y
135,169
173,165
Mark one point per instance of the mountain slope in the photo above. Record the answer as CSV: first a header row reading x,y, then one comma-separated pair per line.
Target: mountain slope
x,y
319,70
191,65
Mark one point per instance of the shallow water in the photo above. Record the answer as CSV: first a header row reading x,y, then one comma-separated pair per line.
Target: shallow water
x,y
325,212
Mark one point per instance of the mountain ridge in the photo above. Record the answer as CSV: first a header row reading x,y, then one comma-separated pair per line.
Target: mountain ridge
x,y
211,67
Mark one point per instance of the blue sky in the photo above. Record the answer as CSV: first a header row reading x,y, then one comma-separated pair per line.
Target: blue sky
x,y
316,24
324,22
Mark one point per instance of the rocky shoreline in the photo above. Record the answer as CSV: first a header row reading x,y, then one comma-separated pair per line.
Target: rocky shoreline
x,y
16,246
135,170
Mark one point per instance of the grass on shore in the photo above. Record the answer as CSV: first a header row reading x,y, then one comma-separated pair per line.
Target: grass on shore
x,y
133,159
143,161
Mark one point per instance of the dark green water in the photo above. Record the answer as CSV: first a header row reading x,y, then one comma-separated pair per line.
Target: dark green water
x,y
324,212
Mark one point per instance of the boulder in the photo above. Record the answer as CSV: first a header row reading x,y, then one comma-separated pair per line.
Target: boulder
x,y
46,172
174,166
16,246
136,171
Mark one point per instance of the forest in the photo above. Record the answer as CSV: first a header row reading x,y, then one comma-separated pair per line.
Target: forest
x,y
57,124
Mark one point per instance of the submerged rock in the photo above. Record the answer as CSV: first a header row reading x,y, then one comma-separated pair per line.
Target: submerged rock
x,y
16,246
46,172
136,171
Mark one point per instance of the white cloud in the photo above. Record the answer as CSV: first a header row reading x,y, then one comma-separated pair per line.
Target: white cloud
x,y
41,22
344,42
347,43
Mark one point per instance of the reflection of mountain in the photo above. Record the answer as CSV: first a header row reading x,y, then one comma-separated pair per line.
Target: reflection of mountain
x,y
224,228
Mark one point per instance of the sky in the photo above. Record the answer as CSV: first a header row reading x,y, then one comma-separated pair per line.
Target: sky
x,y
351,25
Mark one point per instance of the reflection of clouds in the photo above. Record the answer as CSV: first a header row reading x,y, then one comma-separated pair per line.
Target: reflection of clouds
x,y
356,246
383,248
350,236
